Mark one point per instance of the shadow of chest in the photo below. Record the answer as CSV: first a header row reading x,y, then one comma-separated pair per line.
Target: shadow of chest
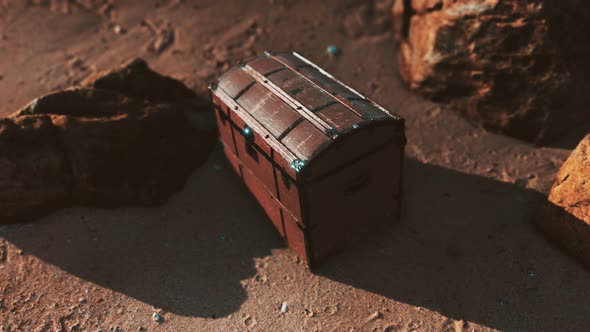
x,y
322,160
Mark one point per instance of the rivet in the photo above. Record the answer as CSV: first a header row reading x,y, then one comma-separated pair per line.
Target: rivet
x,y
297,165
247,131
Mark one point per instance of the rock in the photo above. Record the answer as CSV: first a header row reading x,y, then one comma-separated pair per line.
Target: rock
x,y
333,50
517,67
135,79
102,148
565,217
157,317
122,151
119,30
375,316
34,173
284,307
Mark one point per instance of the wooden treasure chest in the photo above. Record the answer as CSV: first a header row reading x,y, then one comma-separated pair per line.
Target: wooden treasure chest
x,y
324,161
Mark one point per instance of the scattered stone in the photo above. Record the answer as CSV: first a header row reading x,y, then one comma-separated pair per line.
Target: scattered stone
x,y
333,50
164,36
331,310
164,39
119,30
77,63
82,300
516,67
249,321
262,278
374,316
565,217
309,312
284,307
157,318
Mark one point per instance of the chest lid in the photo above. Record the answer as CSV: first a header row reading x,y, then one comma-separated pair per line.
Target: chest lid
x,y
304,110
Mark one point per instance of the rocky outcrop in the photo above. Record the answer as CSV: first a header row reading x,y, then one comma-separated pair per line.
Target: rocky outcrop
x,y
135,79
517,67
34,175
98,147
565,217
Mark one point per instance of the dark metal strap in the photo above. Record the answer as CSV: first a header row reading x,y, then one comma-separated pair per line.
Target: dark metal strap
x,y
293,103
343,101
251,84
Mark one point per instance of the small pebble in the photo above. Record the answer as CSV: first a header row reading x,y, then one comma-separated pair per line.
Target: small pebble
x,y
333,50
284,307
157,317
374,316
119,30
82,300
77,63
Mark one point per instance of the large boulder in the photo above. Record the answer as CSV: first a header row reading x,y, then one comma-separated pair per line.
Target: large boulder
x,y
99,147
137,80
518,67
34,174
565,217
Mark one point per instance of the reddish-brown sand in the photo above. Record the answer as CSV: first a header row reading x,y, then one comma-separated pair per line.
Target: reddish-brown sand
x,y
464,257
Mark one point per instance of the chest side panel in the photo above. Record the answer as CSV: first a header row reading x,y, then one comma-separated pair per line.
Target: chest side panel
x,y
355,201
355,146
224,124
258,153
288,226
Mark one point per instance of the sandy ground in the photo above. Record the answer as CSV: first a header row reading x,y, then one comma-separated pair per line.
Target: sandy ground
x,y
464,257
